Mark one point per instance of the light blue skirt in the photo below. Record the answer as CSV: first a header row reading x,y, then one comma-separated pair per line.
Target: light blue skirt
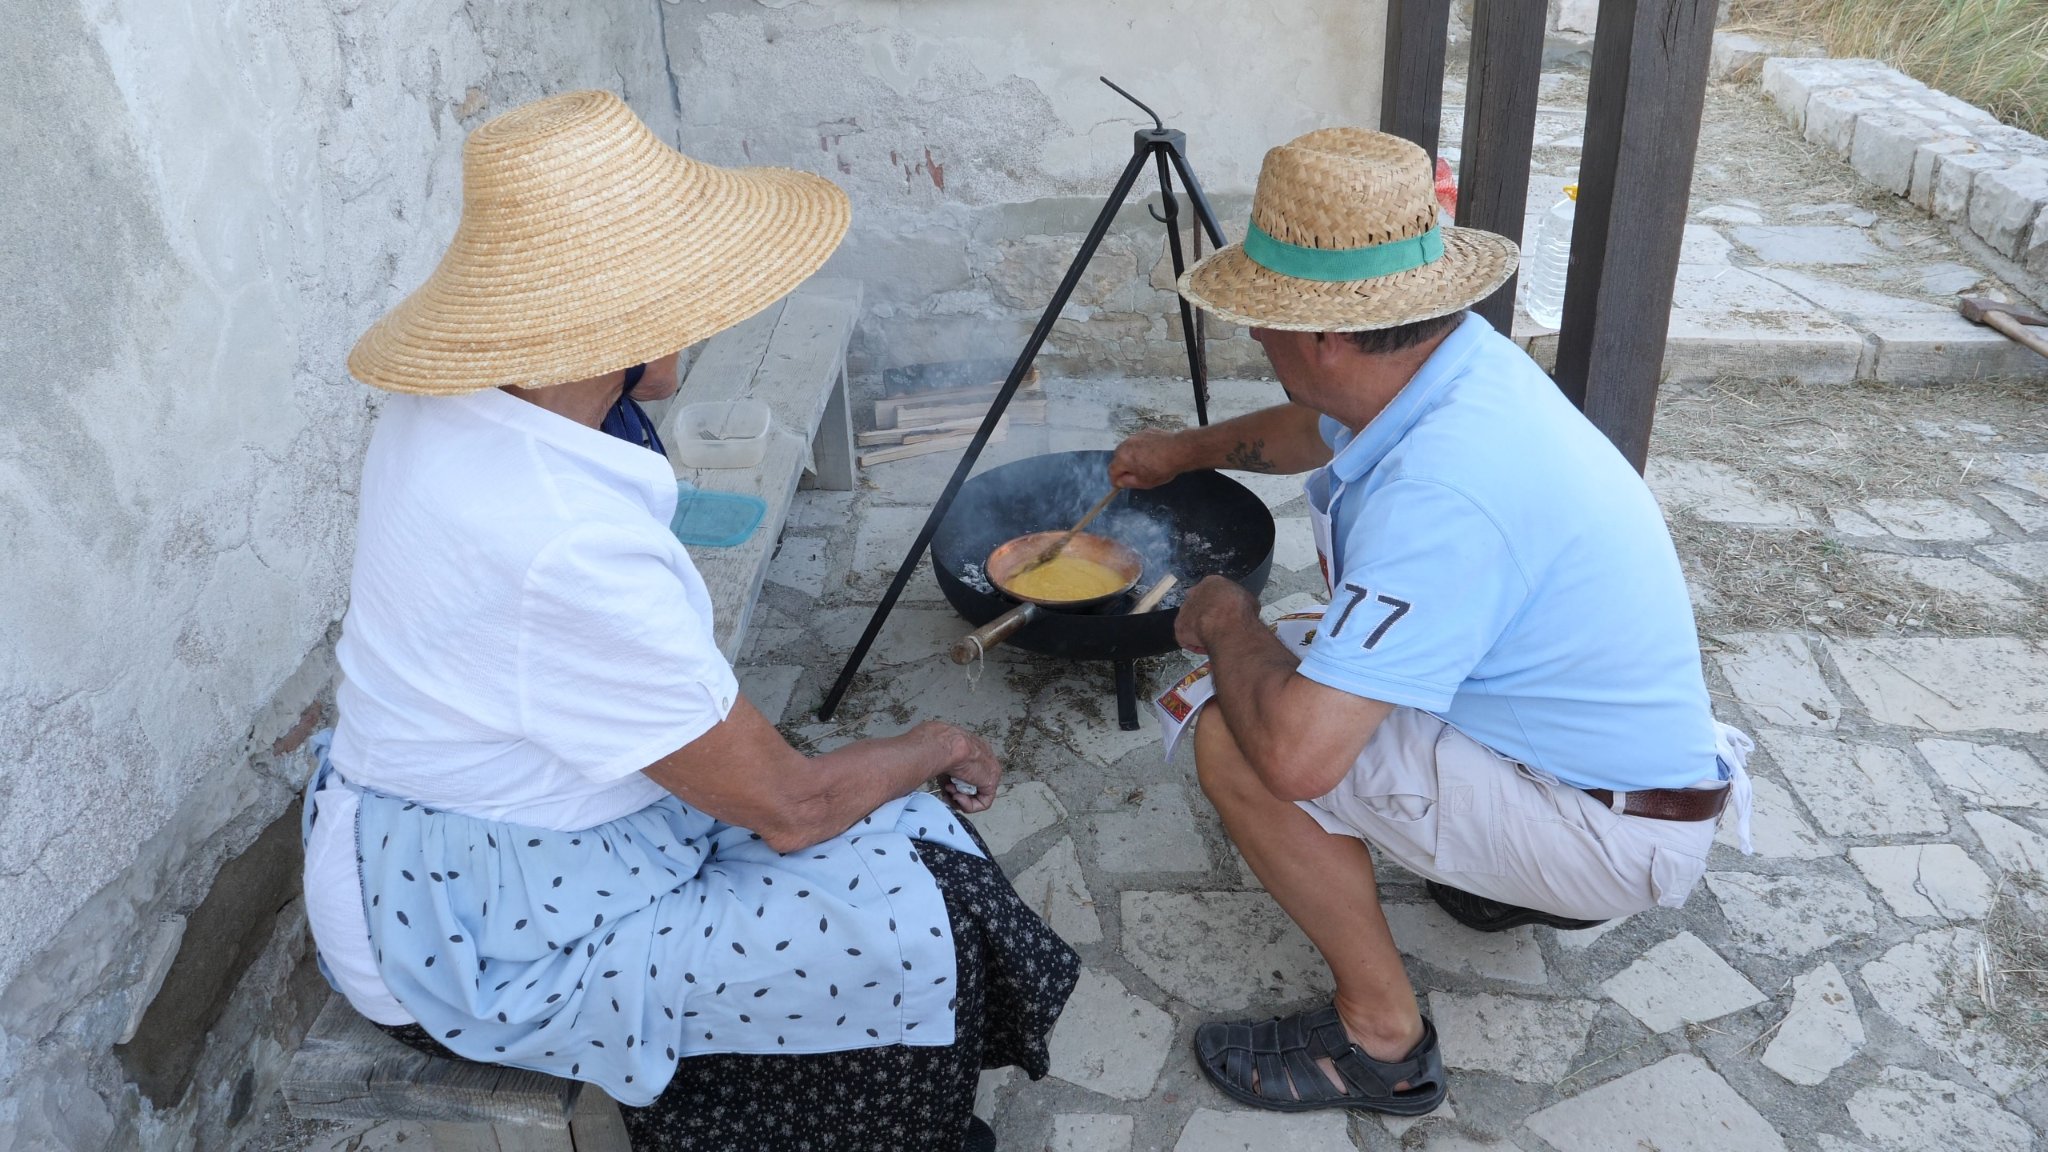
x,y
607,954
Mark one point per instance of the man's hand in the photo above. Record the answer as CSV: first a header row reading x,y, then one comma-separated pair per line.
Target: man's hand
x,y
1214,603
967,760
1147,460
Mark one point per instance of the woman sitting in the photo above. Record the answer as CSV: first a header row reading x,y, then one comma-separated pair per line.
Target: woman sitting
x,y
549,832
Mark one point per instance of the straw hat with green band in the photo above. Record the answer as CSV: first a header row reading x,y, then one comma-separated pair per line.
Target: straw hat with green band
x,y
1343,238
587,246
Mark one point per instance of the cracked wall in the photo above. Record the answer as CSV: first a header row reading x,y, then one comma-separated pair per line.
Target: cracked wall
x,y
207,202
977,145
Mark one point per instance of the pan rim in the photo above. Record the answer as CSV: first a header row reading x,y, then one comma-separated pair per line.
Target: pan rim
x,y
1129,557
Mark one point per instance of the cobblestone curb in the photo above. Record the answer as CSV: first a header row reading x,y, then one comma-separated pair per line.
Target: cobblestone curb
x,y
1946,156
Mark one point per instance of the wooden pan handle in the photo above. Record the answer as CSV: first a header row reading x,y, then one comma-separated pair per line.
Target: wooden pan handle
x,y
1150,600
976,644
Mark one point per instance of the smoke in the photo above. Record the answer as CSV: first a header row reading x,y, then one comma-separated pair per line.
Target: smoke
x,y
1050,492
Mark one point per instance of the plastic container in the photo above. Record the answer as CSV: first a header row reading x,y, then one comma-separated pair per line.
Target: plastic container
x,y
720,434
1550,260
707,519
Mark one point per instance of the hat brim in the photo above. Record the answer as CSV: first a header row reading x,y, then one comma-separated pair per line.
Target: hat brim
x,y
704,249
1228,284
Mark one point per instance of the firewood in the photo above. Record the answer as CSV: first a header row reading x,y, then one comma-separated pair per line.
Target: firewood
x,y
946,443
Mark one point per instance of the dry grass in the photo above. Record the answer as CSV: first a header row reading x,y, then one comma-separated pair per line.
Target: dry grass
x,y
1835,446
2006,990
1992,53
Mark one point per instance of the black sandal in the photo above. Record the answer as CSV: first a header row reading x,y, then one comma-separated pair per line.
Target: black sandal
x,y
1483,915
1283,1052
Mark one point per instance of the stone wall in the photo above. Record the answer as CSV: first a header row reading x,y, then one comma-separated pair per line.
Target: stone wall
x,y
977,145
207,201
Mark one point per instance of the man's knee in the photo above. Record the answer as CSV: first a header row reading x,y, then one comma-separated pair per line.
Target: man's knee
x,y
1226,776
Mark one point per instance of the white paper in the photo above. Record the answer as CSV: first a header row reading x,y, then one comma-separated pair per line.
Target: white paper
x,y
1178,706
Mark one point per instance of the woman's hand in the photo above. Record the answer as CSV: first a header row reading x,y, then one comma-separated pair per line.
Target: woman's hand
x,y
1146,460
966,760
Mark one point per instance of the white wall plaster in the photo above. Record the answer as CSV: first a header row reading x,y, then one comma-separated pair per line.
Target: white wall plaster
x,y
966,130
213,199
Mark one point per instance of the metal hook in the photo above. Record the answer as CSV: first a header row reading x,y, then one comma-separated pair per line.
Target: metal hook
x,y
1157,123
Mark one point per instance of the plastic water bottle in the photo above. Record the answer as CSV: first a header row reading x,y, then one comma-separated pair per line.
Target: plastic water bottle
x,y
1550,258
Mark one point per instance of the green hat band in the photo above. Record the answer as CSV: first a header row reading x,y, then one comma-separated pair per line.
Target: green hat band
x,y
1338,264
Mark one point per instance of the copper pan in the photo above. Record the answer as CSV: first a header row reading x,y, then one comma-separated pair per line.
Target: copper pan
x,y
1015,556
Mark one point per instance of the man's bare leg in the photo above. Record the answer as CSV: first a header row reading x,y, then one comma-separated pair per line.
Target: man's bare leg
x,y
1324,883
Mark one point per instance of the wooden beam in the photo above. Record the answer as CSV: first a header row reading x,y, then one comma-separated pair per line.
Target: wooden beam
x,y
1412,81
1500,131
1649,85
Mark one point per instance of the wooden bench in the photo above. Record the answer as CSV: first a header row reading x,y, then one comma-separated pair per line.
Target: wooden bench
x,y
349,1070
793,356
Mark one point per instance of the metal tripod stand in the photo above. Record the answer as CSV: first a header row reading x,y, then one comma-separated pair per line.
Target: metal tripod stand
x,y
1166,148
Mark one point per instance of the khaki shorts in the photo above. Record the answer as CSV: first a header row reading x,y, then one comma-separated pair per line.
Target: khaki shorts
x,y
1453,810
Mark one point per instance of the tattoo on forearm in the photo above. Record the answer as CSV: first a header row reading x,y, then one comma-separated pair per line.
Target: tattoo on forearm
x,y
1249,457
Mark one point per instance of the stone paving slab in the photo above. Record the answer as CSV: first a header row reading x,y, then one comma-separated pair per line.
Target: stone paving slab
x,y
2027,560
1523,1037
1427,933
1108,1040
1923,984
2013,847
1221,951
1926,518
1155,835
1677,1105
1920,349
1055,889
1680,981
2027,471
1955,580
2027,515
1820,1033
1211,1130
1717,492
1790,916
1949,685
1730,321
1910,1111
1776,828
1926,881
1856,789
1023,809
1091,1133
1989,774
1777,676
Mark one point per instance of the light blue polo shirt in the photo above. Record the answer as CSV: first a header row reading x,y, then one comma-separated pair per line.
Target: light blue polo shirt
x,y
1499,564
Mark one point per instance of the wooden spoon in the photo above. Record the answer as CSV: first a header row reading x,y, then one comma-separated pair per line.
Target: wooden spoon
x,y
1060,545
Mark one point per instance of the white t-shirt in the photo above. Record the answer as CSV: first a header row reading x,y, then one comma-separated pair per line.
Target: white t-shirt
x,y
524,635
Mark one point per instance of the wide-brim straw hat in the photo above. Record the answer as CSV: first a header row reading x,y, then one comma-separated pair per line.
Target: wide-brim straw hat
x,y
1344,238
587,246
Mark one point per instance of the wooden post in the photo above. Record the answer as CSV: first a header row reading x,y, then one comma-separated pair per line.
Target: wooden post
x,y
1500,131
1649,85
1412,82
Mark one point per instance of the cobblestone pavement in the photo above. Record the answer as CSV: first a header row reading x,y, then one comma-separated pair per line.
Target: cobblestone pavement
x,y
1819,996
1793,264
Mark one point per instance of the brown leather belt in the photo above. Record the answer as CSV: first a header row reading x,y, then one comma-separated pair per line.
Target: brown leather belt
x,y
1684,805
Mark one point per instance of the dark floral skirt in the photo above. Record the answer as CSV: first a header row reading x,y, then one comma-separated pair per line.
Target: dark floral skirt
x,y
1014,977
